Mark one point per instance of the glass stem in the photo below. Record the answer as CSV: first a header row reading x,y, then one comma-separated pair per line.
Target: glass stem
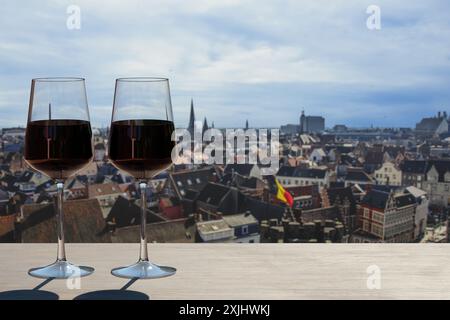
x,y
143,256
60,218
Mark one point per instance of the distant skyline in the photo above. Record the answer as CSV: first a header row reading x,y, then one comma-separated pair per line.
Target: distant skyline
x,y
238,59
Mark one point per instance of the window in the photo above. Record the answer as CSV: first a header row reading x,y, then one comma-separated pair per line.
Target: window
x,y
377,217
189,182
198,180
366,226
366,213
377,230
179,183
244,229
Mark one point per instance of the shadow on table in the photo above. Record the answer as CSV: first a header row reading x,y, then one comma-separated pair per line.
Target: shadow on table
x,y
30,294
118,294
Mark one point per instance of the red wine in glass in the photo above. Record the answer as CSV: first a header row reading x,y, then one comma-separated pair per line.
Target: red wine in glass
x,y
58,143
140,143
58,148
141,147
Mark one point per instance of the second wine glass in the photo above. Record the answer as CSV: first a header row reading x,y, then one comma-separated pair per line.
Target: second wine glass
x,y
140,144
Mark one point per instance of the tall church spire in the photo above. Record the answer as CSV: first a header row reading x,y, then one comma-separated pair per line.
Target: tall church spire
x,y
205,126
191,126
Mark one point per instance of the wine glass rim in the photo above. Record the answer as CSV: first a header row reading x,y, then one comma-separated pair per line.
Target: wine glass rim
x,y
143,79
58,79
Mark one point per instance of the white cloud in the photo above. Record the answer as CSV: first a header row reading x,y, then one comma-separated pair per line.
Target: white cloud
x,y
213,49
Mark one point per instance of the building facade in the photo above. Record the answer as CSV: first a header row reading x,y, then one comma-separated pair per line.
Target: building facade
x,y
437,185
386,217
298,176
388,174
311,124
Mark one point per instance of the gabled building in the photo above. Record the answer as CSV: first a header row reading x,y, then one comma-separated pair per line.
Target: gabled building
x,y
437,183
373,160
251,186
190,180
305,197
344,200
106,194
414,172
219,199
385,216
126,213
318,155
388,174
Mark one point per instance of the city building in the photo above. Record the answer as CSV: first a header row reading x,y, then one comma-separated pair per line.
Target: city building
x,y
106,194
214,231
344,200
437,183
429,127
414,172
385,216
388,174
299,176
311,124
290,129
245,227
318,155
422,210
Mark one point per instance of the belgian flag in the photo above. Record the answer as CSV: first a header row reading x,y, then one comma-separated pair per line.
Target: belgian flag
x,y
277,189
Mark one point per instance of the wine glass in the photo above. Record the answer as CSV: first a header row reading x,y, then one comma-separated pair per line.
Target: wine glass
x,y
140,144
58,143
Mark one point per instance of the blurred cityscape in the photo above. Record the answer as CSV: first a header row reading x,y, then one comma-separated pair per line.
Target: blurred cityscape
x,y
350,185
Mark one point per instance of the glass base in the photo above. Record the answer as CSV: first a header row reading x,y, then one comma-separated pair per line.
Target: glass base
x,y
143,270
60,270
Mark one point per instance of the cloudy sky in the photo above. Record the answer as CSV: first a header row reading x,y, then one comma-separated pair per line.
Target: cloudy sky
x,y
259,60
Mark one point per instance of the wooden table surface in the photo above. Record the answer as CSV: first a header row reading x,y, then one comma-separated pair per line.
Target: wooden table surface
x,y
242,271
